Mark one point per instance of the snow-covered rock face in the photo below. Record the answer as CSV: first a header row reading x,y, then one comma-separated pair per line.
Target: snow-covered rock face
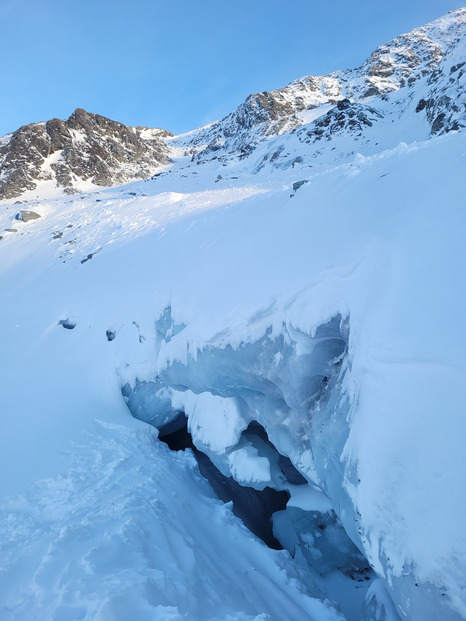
x,y
291,292
86,148
399,64
89,150
445,101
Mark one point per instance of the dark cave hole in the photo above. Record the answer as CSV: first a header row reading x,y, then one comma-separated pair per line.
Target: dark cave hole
x,y
253,507
292,475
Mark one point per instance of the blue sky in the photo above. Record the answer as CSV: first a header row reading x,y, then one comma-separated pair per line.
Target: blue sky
x,y
178,64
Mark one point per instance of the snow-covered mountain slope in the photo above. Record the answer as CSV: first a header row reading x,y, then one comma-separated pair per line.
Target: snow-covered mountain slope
x,y
299,309
88,150
400,64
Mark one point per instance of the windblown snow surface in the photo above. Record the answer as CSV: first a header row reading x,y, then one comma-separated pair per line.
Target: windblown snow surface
x,y
327,315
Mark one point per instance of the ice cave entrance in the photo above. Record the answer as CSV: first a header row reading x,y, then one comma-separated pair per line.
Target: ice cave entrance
x,y
254,507
288,389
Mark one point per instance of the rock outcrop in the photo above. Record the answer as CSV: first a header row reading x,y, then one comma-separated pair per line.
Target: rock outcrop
x,y
84,148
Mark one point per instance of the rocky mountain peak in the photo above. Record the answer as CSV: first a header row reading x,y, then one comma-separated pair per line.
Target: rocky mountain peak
x,y
419,73
84,148
401,63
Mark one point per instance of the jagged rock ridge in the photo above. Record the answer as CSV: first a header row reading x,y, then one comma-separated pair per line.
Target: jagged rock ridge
x,y
86,147
429,55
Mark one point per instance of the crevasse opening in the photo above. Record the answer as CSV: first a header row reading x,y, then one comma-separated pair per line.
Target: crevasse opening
x,y
254,507
267,422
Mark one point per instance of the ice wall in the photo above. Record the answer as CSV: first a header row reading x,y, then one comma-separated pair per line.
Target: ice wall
x,y
299,388
272,413
293,384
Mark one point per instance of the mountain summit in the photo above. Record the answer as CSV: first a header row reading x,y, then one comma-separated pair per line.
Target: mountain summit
x,y
422,64
420,71
86,150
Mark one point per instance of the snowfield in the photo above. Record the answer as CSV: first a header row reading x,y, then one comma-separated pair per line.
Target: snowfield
x,y
308,316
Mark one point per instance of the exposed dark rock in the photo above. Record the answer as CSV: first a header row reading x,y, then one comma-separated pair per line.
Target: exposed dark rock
x,y
90,147
346,117
343,104
26,216
68,324
297,160
372,91
21,159
456,67
88,258
111,334
445,102
298,184
438,123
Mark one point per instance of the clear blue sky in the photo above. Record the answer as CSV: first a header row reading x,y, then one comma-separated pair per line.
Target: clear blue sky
x,y
178,64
